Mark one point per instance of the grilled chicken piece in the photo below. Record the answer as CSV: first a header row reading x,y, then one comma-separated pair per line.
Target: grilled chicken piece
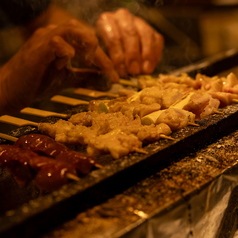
x,y
231,84
116,142
176,118
201,104
225,98
182,79
153,132
163,97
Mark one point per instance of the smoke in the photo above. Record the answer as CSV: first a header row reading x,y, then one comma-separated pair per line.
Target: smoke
x,y
90,10
180,48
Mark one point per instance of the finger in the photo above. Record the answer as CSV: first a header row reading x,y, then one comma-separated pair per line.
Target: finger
x,y
130,40
152,44
108,31
81,37
102,61
63,51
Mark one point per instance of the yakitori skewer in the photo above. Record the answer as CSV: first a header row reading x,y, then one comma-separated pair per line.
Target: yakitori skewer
x,y
39,150
26,166
42,146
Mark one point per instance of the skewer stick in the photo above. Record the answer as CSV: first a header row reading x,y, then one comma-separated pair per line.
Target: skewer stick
x,y
166,137
68,100
72,177
140,150
234,100
17,121
218,112
8,137
99,166
192,124
42,113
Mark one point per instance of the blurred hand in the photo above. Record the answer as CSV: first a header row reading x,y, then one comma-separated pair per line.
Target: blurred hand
x,y
39,66
133,45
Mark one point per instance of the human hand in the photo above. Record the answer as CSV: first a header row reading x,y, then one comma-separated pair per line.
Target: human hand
x,y
133,45
39,66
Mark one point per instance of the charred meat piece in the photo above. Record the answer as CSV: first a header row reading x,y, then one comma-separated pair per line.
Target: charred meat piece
x,y
17,163
45,145
25,165
41,144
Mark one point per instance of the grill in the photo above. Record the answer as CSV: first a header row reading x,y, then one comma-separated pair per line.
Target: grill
x,y
23,214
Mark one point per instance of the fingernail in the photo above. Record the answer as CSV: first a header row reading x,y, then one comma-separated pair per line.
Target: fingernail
x,y
134,67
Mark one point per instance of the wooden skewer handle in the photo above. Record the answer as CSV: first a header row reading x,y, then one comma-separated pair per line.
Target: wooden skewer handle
x,y
42,113
8,137
68,100
17,121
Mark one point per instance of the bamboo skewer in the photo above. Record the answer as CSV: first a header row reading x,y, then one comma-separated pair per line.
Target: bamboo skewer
x,y
72,177
99,166
218,112
192,124
68,100
17,121
166,137
140,150
8,137
42,113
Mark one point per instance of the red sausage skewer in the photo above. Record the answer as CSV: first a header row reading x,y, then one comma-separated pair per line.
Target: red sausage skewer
x,y
25,165
45,145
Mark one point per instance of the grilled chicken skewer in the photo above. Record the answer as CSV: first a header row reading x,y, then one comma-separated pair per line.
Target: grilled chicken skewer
x,y
23,122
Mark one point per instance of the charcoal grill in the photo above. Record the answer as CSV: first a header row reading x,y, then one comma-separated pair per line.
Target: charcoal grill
x,y
21,216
